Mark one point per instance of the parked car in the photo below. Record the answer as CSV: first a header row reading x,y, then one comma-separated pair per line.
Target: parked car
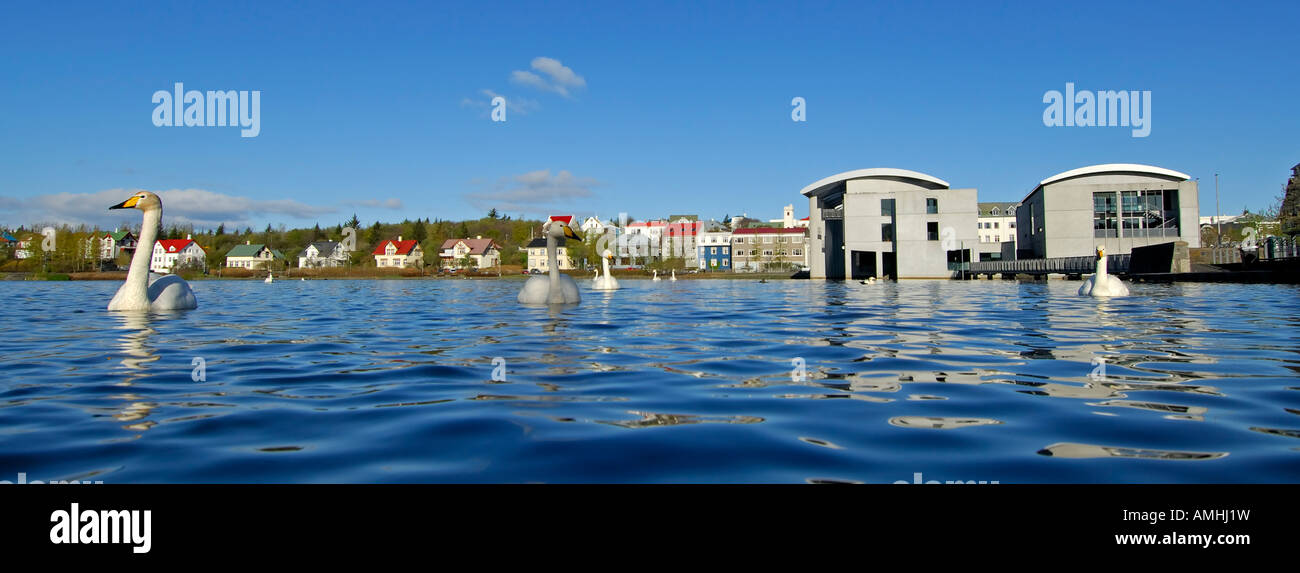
x,y
536,271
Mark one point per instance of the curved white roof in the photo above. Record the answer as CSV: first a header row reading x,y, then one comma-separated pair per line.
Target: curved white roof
x,y
873,172
1115,168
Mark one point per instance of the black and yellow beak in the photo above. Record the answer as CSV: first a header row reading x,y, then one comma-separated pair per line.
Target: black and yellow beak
x,y
128,204
568,232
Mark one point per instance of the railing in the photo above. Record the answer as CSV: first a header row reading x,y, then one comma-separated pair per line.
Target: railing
x,y
1118,264
1269,249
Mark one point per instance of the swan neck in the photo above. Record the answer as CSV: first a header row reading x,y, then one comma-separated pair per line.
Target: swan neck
x,y
552,259
1101,266
138,275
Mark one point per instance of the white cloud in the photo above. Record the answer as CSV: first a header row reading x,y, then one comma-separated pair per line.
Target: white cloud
x,y
197,207
535,192
559,78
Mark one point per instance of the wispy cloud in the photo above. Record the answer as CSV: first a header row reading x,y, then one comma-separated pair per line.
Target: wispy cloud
x,y
198,207
554,77
514,104
535,192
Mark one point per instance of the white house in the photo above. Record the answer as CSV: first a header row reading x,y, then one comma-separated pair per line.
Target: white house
x,y
997,230
169,254
323,254
252,256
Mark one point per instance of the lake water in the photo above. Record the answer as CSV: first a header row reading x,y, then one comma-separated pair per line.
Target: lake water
x,y
692,381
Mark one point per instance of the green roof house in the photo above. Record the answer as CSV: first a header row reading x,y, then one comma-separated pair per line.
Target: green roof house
x,y
252,256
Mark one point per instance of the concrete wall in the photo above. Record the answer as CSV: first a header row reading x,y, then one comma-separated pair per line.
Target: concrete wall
x,y
917,255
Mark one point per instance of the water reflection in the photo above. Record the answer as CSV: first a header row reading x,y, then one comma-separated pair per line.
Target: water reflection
x,y
1067,450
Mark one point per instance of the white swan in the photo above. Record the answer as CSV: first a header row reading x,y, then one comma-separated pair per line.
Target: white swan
x,y
1101,283
555,288
607,282
674,275
656,277
869,281
269,278
144,290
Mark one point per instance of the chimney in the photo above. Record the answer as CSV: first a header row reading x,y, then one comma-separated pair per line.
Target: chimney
x,y
399,238
189,237
478,236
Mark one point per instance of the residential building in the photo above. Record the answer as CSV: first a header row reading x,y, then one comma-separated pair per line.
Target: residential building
x,y
714,250
768,249
172,254
482,253
399,254
537,260
116,243
885,222
680,237
1118,206
320,254
252,256
997,231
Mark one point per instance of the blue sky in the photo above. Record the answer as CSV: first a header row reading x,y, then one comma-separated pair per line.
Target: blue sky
x,y
682,107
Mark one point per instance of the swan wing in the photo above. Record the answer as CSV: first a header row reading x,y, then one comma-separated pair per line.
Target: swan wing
x,y
171,292
535,291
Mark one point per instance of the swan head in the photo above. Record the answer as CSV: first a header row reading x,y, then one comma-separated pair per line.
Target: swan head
x,y
1101,251
142,200
608,254
560,227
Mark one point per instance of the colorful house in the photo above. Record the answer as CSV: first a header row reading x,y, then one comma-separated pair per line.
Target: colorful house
x,y
484,253
399,254
115,243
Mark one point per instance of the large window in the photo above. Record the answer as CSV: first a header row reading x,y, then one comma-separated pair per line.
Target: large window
x,y
1104,215
886,207
931,205
932,231
887,232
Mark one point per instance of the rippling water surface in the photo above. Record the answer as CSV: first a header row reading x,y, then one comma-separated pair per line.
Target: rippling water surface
x,y
692,381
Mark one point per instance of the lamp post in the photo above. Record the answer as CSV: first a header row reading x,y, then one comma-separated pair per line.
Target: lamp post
x,y
1218,219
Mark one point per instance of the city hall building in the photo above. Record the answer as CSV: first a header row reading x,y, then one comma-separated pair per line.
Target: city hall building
x,y
1117,205
895,223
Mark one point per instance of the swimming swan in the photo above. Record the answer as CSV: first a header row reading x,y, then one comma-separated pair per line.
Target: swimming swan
x,y
674,275
144,290
656,277
607,282
1102,284
269,278
555,288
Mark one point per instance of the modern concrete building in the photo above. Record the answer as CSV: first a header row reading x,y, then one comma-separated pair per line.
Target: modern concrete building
x,y
886,222
1116,205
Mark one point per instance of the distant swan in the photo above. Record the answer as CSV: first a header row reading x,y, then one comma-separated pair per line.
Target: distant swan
x,y
674,275
869,281
555,288
269,278
1100,283
144,290
607,282
656,277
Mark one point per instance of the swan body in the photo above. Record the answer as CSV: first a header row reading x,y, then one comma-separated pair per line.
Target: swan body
x,y
555,287
1102,283
656,277
674,275
869,281
270,277
606,282
143,290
